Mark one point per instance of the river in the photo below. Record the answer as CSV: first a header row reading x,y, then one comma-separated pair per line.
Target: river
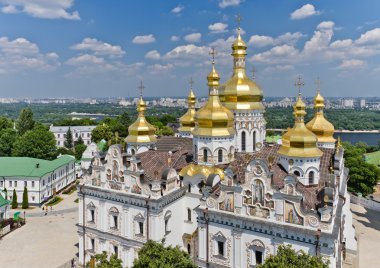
x,y
367,137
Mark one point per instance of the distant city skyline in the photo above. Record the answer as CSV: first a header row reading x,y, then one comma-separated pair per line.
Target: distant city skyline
x,y
76,48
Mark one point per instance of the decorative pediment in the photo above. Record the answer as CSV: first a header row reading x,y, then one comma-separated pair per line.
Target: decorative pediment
x,y
219,237
258,167
258,244
139,217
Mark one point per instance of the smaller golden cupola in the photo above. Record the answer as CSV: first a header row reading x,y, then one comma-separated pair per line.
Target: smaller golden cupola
x,y
187,121
319,125
141,131
299,141
213,119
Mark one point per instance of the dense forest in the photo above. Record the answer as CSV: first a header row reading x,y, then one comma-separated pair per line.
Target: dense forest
x,y
276,117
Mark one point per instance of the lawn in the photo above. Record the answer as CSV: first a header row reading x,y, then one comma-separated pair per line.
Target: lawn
x,y
54,201
373,158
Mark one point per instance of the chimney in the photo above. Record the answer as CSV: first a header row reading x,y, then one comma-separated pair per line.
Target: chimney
x,y
37,165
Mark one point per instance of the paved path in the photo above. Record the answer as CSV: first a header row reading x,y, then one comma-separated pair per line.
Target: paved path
x,y
367,226
45,241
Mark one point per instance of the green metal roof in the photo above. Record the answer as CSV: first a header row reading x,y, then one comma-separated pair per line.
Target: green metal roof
x,y
102,145
27,167
3,201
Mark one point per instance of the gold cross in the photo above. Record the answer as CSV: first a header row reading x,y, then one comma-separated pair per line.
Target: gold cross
x,y
212,53
191,82
299,84
141,88
318,83
253,72
238,20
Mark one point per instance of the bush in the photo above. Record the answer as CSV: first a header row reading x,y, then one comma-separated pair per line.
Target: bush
x,y
25,201
54,201
14,200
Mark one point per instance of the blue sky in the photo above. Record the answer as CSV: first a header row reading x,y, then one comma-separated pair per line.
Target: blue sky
x,y
98,48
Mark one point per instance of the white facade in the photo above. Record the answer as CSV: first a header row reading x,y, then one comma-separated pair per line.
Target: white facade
x,y
250,130
40,187
213,150
77,131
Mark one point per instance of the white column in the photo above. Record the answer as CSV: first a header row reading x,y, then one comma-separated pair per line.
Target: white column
x,y
103,219
80,248
125,231
80,210
202,242
237,248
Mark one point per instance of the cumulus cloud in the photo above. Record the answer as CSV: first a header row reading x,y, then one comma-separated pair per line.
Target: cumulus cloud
x,y
229,3
187,51
352,64
20,55
287,38
178,9
45,9
174,38
218,27
370,37
153,55
160,68
144,39
305,11
99,48
193,38
261,40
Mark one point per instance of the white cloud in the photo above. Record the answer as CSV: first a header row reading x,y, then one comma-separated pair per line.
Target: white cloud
x,y
99,48
153,55
261,40
370,37
144,39
304,12
160,68
20,55
193,38
187,51
178,9
174,38
277,55
46,9
279,68
228,3
218,27
85,59
351,64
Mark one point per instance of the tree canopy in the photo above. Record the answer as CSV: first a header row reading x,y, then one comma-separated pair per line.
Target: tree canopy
x,y
102,131
38,143
69,139
287,257
102,261
154,254
25,121
363,176
7,139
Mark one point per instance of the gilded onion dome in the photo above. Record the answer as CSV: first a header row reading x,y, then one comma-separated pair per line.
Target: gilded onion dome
x,y
213,119
299,141
240,92
187,122
141,131
319,125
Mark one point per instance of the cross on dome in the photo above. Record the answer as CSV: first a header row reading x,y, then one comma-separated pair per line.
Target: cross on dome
x,y
318,83
141,88
299,83
191,82
212,53
238,20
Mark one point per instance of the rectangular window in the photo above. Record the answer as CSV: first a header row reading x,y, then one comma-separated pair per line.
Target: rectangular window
x,y
15,183
166,225
259,257
25,184
32,184
33,198
92,213
220,248
1,184
114,221
43,182
115,250
58,135
141,228
92,244
10,183
88,135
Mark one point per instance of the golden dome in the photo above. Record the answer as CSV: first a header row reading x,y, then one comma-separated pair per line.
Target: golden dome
x,y
141,131
213,119
299,141
187,121
240,92
319,125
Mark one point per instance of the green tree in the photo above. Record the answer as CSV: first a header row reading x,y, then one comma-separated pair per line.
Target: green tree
x,y
69,139
63,150
5,123
79,141
14,199
6,193
287,257
154,254
7,139
25,201
25,121
79,149
165,131
363,176
101,132
38,143
101,261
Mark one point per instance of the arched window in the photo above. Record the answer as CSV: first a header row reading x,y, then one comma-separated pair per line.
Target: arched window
x,y
188,248
220,155
297,173
188,214
243,141
311,177
133,151
254,140
205,155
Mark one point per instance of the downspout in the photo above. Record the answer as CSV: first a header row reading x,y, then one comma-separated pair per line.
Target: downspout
x,y
147,218
205,216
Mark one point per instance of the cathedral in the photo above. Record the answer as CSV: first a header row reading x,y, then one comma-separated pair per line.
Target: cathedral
x,y
219,191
